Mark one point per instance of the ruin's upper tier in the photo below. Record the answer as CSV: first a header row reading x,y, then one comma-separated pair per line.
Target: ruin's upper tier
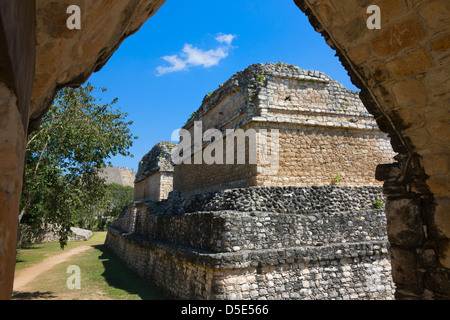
x,y
156,160
283,93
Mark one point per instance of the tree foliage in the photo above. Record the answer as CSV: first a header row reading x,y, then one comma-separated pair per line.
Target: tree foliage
x,y
118,197
95,218
76,138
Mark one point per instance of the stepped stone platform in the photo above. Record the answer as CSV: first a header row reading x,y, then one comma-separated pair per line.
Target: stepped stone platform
x,y
296,220
247,244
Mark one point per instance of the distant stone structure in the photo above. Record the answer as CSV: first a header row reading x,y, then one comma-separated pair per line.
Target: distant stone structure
x,y
51,235
312,229
122,176
154,179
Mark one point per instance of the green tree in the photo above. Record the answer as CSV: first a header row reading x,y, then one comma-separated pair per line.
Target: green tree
x,y
76,138
96,217
117,197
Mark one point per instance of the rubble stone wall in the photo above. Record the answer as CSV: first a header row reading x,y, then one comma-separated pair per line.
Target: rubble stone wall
x,y
258,243
361,271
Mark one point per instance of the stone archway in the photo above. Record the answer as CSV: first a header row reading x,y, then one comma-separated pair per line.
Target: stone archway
x,y
38,56
401,70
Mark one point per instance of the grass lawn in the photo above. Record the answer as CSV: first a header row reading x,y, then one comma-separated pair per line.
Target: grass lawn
x,y
103,275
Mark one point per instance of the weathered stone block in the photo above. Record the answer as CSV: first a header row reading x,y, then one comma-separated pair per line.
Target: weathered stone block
x,y
441,44
437,280
397,37
167,266
388,172
435,13
391,10
405,66
409,92
404,222
360,53
404,270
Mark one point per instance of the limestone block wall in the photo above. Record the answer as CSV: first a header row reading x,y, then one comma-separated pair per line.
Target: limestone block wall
x,y
39,56
402,70
325,135
154,179
196,178
165,185
122,176
311,155
155,187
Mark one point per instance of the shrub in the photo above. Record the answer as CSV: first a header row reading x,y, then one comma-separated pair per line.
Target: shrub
x,y
378,204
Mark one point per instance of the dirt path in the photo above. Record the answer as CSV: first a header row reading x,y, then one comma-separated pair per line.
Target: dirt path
x,y
29,274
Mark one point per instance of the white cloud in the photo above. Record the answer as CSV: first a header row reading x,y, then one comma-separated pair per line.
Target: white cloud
x,y
191,56
198,57
177,65
226,38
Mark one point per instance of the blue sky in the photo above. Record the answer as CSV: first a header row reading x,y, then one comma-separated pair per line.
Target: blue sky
x,y
161,74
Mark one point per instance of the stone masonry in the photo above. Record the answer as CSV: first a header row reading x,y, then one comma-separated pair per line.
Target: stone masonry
x,y
219,247
154,179
325,133
402,71
39,56
122,176
232,231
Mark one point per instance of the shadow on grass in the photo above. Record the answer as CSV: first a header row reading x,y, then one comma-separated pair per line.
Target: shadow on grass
x,y
29,246
32,295
118,275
